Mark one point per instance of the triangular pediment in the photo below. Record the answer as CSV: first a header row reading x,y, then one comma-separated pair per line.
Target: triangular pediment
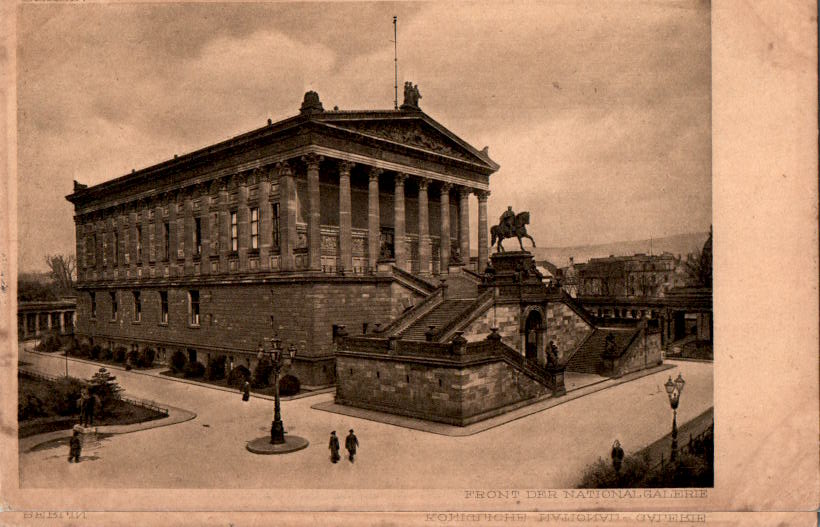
x,y
421,133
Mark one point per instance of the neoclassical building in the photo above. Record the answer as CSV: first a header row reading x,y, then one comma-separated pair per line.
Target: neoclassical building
x,y
323,219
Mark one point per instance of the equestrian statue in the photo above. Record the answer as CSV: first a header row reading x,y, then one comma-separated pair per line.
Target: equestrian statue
x,y
511,225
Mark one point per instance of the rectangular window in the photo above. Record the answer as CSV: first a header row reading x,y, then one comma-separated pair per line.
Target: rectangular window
x,y
163,301
166,237
234,233
116,248
137,307
139,243
276,225
114,306
197,236
93,304
193,307
255,229
90,251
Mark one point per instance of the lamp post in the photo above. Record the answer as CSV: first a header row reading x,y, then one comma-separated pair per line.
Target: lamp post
x,y
674,390
279,358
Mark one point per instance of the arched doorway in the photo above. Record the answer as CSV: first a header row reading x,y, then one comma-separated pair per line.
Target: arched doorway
x,y
532,335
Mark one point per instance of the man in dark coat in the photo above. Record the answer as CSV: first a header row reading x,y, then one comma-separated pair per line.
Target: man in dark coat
x,y
246,391
617,456
334,448
351,444
74,448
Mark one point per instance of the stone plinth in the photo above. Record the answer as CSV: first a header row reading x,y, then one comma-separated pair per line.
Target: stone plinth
x,y
262,445
513,267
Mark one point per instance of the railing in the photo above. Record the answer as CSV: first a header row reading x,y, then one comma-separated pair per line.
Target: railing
x,y
404,320
151,405
417,281
515,359
689,447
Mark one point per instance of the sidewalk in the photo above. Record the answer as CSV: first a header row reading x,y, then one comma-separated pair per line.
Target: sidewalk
x,y
663,446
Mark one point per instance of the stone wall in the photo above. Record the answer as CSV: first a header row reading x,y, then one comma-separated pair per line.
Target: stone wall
x,y
235,318
507,319
453,395
644,352
565,327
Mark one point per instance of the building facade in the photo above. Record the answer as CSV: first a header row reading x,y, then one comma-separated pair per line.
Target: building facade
x,y
327,218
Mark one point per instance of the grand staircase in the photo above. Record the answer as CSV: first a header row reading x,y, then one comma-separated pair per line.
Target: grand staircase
x,y
438,317
590,353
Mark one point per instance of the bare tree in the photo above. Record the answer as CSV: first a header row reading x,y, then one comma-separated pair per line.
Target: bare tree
x,y
62,269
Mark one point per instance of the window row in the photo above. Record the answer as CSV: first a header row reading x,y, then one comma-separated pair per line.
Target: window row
x,y
137,305
110,244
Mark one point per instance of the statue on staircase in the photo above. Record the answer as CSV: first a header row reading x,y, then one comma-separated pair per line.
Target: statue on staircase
x,y
511,225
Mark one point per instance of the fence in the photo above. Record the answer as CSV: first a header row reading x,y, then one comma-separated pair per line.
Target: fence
x,y
151,405
690,446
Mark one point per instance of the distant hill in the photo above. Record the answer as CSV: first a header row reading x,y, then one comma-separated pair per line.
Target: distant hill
x,y
681,244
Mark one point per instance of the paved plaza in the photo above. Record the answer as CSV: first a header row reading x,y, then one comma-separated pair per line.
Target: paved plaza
x,y
545,449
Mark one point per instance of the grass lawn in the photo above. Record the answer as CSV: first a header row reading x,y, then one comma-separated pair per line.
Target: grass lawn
x,y
57,408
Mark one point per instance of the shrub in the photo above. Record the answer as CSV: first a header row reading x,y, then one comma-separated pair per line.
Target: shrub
x,y
238,376
104,354
261,373
178,361
194,370
289,385
63,399
132,358
146,358
119,354
49,344
29,408
72,347
216,368
83,350
105,387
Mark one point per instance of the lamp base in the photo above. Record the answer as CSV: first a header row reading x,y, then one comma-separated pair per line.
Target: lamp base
x,y
262,445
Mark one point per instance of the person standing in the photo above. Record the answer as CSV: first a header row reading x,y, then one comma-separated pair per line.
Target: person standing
x,y
351,444
74,448
246,391
334,447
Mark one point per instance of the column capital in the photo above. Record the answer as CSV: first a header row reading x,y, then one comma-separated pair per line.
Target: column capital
x,y
423,183
312,160
374,173
400,178
445,187
482,195
346,166
283,169
464,192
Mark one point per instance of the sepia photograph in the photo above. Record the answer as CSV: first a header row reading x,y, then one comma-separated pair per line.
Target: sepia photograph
x,y
454,247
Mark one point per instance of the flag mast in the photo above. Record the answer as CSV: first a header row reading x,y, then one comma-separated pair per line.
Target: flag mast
x,y
395,66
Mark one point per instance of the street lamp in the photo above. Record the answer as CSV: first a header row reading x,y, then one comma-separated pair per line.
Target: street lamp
x,y
674,390
279,359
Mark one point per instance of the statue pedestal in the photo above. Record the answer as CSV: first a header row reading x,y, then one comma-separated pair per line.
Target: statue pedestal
x,y
514,267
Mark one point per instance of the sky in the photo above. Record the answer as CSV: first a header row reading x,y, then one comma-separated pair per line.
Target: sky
x,y
598,112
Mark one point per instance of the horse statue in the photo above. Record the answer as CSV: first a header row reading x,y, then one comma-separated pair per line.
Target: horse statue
x,y
518,230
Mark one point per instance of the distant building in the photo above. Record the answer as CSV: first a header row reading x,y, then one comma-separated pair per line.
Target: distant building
x,y
639,275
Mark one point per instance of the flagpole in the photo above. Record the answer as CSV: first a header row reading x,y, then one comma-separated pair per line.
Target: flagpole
x,y
395,66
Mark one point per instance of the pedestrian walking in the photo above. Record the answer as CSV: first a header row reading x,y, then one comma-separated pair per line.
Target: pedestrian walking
x,y
334,448
246,391
351,444
74,448
617,456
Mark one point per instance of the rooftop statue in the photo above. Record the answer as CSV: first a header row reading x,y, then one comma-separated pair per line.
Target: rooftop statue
x,y
511,225
411,96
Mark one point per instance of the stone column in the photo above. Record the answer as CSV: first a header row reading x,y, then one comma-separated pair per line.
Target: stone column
x,y
483,249
224,227
265,220
314,218
153,251
205,228
99,256
188,232
287,210
172,234
399,233
132,235
62,322
345,220
36,324
243,213
444,235
373,219
464,224
424,228
121,227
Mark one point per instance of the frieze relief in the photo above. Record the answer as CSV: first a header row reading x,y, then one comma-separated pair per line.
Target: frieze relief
x,y
409,134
